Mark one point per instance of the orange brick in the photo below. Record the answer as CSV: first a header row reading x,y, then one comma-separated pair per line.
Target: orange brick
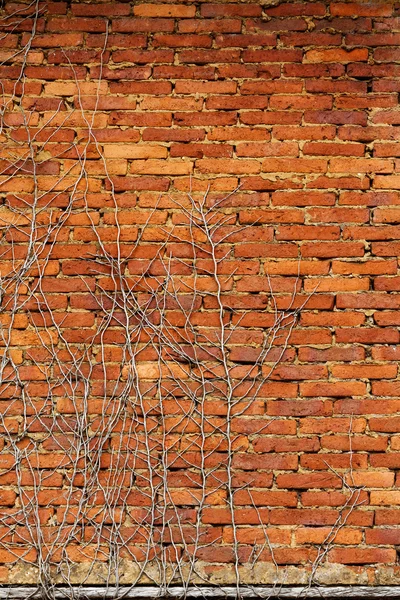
x,y
337,55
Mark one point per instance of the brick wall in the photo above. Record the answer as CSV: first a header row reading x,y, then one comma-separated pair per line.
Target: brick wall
x,y
292,105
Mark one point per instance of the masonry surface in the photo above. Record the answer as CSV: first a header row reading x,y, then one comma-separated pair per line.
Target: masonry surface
x,y
294,107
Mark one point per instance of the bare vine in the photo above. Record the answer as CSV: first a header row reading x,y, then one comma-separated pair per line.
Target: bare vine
x,y
122,434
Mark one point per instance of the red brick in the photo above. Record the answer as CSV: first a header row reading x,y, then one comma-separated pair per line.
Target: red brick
x,y
233,10
368,336
340,182
178,135
308,232
370,198
383,283
280,56
76,24
266,498
309,535
367,301
51,40
292,372
276,24
116,40
244,40
364,371
333,149
228,166
382,536
373,479
378,9
271,215
143,56
372,267
335,320
183,72
234,102
121,73
267,444
312,70
210,25
10,556
337,55
300,102
304,133
313,480
264,426
360,165
270,87
386,215
141,87
382,498
164,10
356,443
269,118
327,462
371,233
310,38
385,353
295,9
352,388
209,56
334,425
362,555
201,150
87,10
387,517
377,101
181,41
337,117
263,249
142,25
332,498
338,215
335,354
205,87
265,462
333,249
301,198
302,516
293,408
374,39
249,70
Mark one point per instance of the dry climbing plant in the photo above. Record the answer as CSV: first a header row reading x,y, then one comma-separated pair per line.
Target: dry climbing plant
x,y
121,438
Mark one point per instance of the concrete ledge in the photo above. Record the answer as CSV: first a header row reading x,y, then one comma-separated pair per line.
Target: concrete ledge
x,y
102,593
